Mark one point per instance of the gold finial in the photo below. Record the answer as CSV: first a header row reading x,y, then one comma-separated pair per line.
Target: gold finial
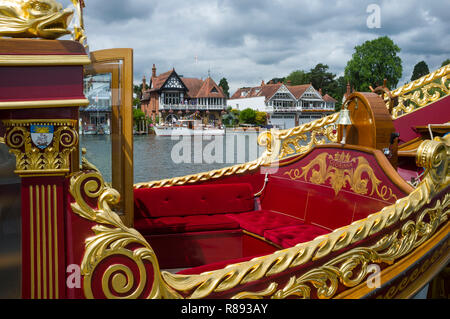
x,y
78,31
34,19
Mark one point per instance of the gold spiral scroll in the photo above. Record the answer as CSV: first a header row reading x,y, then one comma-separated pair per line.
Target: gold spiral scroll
x,y
109,261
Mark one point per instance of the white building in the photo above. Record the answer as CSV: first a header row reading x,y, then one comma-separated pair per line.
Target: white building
x,y
287,106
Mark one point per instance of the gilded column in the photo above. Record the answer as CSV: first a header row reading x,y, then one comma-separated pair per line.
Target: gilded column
x,y
42,149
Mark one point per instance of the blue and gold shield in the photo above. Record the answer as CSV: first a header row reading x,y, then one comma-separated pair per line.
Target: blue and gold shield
x,y
42,135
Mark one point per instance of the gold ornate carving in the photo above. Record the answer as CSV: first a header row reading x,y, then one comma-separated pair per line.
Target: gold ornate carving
x,y
422,268
319,132
340,170
34,19
112,239
31,160
421,92
349,268
79,34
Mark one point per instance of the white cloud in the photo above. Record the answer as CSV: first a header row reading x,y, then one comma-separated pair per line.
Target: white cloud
x,y
247,41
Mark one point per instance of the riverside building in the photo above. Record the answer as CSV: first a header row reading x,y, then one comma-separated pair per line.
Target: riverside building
x,y
286,105
171,97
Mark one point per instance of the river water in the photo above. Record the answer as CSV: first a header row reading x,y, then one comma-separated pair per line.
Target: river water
x,y
160,157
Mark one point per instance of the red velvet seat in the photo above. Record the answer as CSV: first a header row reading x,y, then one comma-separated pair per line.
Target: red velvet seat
x,y
193,200
259,221
292,235
171,225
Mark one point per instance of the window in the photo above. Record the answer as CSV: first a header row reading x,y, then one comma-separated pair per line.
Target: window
x,y
172,98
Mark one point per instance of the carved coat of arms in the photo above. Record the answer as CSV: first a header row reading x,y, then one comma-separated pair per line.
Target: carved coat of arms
x,y
42,135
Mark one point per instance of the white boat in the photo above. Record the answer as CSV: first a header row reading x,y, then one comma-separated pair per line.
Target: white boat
x,y
187,127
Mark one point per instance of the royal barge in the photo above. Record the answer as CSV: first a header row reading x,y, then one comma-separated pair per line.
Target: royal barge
x,y
353,205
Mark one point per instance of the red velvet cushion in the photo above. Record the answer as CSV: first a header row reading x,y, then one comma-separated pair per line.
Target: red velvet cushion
x,y
292,235
193,200
171,225
261,220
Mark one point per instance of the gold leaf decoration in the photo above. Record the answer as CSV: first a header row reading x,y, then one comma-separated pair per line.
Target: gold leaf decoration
x,y
341,170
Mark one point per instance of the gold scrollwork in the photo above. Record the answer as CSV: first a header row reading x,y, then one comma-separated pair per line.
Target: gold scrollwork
x,y
349,268
113,239
339,170
295,141
421,92
54,159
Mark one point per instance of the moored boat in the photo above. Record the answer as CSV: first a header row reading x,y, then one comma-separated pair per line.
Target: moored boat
x,y
186,127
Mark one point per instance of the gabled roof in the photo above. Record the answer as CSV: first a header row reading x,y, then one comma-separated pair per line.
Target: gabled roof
x,y
267,91
196,88
157,82
298,90
210,89
193,85
328,98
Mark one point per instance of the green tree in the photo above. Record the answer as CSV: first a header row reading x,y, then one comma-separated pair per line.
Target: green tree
x,y
372,62
445,62
297,77
321,79
224,85
231,117
261,118
138,114
137,90
420,69
340,87
277,80
247,116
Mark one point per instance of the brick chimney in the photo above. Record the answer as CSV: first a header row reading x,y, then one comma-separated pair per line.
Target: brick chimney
x,y
144,84
154,71
289,82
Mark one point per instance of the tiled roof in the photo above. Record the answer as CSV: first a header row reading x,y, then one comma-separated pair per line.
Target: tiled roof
x,y
197,88
158,81
193,85
298,90
207,89
269,90
328,98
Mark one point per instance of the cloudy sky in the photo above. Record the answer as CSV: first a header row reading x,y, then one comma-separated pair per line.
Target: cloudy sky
x,y
247,41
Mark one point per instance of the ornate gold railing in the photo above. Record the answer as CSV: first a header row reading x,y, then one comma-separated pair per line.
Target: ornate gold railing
x,y
301,139
421,92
